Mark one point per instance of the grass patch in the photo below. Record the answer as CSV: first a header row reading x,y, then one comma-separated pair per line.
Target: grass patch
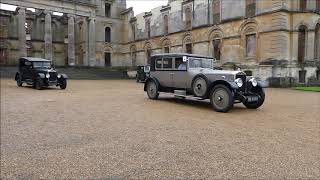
x,y
314,89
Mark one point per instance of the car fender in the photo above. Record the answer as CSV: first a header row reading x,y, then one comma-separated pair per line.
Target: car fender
x,y
41,75
64,76
151,79
263,84
16,76
231,85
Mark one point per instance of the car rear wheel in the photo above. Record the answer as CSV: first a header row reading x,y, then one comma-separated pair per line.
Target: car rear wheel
x,y
200,87
221,98
261,96
38,84
19,82
152,90
63,84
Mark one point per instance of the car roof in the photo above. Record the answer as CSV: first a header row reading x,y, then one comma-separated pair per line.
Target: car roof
x,y
181,54
34,59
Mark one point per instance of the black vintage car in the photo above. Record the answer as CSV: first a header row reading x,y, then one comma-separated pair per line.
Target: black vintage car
x,y
39,73
143,73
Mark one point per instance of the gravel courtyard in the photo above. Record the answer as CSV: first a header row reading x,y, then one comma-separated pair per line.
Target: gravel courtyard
x,y
109,129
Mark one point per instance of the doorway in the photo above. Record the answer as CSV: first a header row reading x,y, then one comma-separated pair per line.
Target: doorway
x,y
107,59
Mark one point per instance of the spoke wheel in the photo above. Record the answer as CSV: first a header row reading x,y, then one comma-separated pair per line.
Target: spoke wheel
x,y
152,90
38,84
221,98
63,84
200,87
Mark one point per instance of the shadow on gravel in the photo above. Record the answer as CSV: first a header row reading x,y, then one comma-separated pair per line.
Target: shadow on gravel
x,y
204,105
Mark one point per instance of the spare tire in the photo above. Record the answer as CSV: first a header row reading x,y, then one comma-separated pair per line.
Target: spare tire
x,y
200,87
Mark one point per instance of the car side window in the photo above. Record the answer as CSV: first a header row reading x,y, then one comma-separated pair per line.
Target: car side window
x,y
158,63
180,65
167,63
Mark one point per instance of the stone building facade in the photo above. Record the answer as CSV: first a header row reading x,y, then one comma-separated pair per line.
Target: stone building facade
x,y
273,39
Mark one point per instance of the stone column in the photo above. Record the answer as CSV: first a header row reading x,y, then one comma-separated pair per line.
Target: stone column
x,y
22,31
92,42
71,41
48,36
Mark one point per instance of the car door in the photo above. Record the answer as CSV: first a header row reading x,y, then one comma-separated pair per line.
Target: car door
x,y
180,75
164,72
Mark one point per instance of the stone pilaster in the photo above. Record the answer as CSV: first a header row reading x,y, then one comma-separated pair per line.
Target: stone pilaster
x,y
48,37
22,31
92,42
86,42
71,41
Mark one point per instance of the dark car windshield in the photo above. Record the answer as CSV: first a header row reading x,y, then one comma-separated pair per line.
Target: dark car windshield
x,y
40,64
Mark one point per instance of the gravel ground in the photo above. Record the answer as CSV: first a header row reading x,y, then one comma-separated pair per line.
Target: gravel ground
x,y
111,130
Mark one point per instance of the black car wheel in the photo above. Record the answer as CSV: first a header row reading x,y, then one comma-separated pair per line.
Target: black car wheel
x,y
63,84
38,84
152,90
261,96
19,82
221,98
200,87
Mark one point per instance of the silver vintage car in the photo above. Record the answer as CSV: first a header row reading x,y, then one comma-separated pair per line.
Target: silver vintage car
x,y
194,76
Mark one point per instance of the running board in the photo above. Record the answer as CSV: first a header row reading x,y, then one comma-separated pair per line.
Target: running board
x,y
182,94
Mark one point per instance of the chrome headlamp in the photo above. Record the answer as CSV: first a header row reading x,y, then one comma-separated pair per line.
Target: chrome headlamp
x,y
239,82
48,75
253,82
59,75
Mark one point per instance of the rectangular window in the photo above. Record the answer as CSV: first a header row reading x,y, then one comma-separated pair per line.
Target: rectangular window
x,y
166,50
158,63
167,63
318,5
250,8
216,11
251,45
303,5
189,48
216,49
107,9
180,65
302,76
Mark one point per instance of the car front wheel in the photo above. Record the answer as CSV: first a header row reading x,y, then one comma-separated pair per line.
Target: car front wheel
x,y
152,90
221,98
19,82
259,102
63,84
38,84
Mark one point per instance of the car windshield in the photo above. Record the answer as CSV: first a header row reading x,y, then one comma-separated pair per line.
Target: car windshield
x,y
41,64
200,63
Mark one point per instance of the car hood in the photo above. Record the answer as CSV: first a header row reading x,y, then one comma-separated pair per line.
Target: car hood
x,y
222,72
43,70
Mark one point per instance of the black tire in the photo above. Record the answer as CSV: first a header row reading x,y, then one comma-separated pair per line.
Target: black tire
x,y
221,98
152,90
200,87
63,84
255,105
19,82
38,84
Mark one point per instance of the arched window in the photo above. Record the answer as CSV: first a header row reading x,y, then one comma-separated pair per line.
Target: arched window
x,y
133,55
216,11
250,8
148,29
166,24
317,43
318,5
303,5
107,34
188,14
107,9
251,45
302,43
